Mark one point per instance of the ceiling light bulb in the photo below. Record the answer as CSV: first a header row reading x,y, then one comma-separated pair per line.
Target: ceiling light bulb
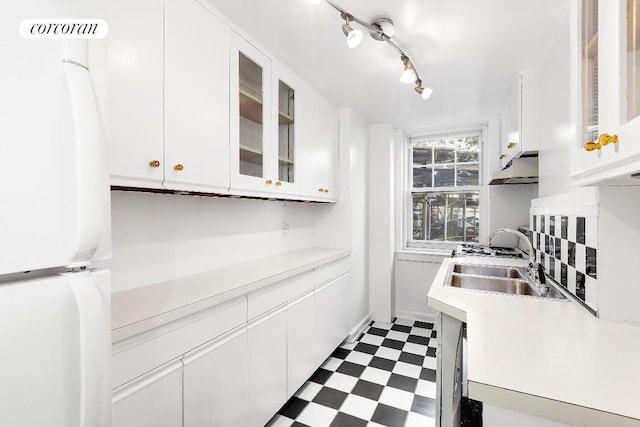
x,y
354,38
407,75
426,93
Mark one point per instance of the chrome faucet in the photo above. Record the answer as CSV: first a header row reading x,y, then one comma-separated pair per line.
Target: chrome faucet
x,y
534,270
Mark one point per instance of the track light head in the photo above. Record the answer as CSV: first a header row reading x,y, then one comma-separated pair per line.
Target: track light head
x,y
354,37
408,76
425,92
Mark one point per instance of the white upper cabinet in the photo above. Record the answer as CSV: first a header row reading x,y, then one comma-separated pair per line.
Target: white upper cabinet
x,y
196,99
520,119
253,171
607,57
135,104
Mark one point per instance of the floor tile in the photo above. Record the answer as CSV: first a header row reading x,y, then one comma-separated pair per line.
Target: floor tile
x,y
321,376
397,398
349,345
332,363
372,339
293,407
381,363
377,331
382,325
407,369
346,420
412,358
342,382
431,352
424,325
398,336
430,362
340,353
404,322
416,349
395,344
403,383
376,375
299,424
368,389
359,358
424,405
317,415
389,416
359,406
417,339
330,397
309,391
388,353
280,421
372,424
428,374
352,369
417,420
426,388
421,332
401,328
366,348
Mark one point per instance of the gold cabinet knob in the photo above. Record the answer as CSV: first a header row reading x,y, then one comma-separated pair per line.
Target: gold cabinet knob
x,y
154,163
511,145
278,183
605,139
269,182
321,190
502,156
326,191
178,167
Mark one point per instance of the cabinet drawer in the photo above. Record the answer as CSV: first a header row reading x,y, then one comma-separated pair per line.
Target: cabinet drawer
x,y
139,354
332,271
272,296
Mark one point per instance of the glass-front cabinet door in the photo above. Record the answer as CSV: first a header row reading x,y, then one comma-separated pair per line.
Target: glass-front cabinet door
x,y
286,133
609,132
250,118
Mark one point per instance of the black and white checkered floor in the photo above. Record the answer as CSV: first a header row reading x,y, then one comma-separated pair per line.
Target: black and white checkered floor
x,y
386,378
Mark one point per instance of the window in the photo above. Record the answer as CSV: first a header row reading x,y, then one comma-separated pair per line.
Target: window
x,y
444,187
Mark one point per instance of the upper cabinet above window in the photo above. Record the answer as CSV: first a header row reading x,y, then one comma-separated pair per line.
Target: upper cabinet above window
x,y
606,43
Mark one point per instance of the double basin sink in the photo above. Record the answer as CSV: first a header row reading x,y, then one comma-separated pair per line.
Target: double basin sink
x,y
505,280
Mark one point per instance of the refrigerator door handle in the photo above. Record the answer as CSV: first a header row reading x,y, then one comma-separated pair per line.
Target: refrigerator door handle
x,y
92,185
95,348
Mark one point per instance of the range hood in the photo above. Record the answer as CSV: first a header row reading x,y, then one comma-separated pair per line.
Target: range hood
x,y
521,170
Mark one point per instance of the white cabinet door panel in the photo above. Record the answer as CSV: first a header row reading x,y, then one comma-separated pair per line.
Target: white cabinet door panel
x,y
301,342
216,383
153,400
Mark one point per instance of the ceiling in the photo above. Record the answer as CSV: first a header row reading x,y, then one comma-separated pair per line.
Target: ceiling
x,y
469,51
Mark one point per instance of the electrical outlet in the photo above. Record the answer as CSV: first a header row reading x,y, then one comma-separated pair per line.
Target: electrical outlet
x,y
285,227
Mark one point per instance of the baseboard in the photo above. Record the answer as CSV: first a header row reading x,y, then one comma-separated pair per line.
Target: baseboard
x,y
355,332
417,315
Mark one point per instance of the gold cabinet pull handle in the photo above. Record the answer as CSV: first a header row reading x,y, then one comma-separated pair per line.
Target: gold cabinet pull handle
x,y
605,139
326,191
278,183
178,167
511,145
321,190
502,156
154,163
269,182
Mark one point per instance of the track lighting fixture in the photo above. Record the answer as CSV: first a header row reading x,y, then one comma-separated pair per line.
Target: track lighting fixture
x,y
354,37
381,30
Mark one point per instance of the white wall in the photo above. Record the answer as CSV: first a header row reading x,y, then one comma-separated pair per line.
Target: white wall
x,y
345,223
157,237
557,136
381,221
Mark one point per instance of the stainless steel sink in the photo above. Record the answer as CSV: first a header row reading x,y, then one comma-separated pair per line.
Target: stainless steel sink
x,y
505,280
488,270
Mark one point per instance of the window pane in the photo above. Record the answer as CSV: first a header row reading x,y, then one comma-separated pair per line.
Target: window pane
x,y
450,216
444,155
468,175
422,177
444,176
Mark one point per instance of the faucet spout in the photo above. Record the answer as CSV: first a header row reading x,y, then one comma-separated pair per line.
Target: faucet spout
x,y
534,270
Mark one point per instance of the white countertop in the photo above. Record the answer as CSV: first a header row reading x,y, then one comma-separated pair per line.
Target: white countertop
x,y
550,358
138,310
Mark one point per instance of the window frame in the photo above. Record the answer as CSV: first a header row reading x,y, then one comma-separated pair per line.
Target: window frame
x,y
408,243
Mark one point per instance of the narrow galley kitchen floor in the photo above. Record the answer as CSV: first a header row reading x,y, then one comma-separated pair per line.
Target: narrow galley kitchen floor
x,y
386,378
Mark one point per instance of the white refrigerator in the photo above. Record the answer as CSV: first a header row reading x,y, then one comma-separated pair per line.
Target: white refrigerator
x,y
55,344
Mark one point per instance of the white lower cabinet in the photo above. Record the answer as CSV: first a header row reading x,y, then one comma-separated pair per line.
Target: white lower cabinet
x,y
216,381
332,315
301,342
152,400
267,365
